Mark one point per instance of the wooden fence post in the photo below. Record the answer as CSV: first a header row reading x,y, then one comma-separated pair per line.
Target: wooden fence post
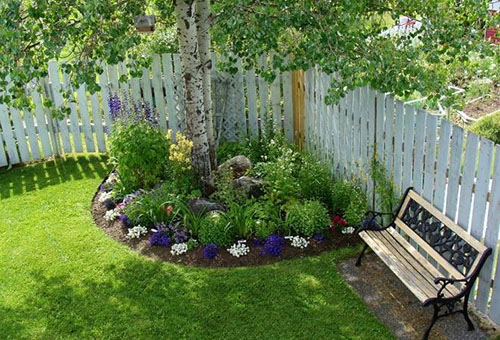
x,y
298,99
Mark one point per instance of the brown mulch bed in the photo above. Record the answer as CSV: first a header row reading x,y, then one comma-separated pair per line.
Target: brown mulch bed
x,y
484,106
118,231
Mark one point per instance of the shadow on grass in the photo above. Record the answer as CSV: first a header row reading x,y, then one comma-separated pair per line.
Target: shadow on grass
x,y
142,299
22,179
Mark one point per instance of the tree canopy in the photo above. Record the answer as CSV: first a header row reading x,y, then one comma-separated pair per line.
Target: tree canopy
x,y
341,37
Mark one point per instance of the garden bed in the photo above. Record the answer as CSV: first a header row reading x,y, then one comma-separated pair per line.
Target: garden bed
x,y
118,231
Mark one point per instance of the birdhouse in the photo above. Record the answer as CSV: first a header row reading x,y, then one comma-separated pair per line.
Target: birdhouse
x,y
144,23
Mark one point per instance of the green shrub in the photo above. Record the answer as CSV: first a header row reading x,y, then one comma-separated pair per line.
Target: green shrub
x,y
349,201
307,218
216,229
315,181
151,207
225,192
488,127
140,151
268,219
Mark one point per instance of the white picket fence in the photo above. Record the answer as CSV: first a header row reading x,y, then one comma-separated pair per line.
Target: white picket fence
x,y
456,170
243,102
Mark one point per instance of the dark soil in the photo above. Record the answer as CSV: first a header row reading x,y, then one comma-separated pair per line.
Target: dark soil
x,y
484,106
194,257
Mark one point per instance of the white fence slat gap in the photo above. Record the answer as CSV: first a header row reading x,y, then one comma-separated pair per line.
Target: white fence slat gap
x,y
442,164
97,119
430,157
253,122
73,117
418,167
398,144
103,83
468,176
169,89
20,134
41,123
32,135
454,171
85,118
58,101
158,92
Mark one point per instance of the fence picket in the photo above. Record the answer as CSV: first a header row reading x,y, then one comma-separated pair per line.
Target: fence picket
x,y
8,135
84,115
32,135
388,144
442,164
58,101
287,105
491,239
158,92
239,103
454,171
3,155
430,157
73,117
418,167
97,119
41,123
169,89
468,176
253,122
103,83
263,94
409,132
20,134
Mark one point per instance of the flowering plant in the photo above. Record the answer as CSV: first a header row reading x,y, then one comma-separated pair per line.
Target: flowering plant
x,y
239,249
136,232
210,251
298,242
274,245
179,249
160,238
111,215
337,222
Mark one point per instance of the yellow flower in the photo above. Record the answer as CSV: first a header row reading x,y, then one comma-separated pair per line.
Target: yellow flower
x,y
180,151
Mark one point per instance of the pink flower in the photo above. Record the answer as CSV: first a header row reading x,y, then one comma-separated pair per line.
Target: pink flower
x,y
169,209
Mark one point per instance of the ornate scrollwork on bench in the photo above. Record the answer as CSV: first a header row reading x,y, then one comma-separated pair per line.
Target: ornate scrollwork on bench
x,y
442,239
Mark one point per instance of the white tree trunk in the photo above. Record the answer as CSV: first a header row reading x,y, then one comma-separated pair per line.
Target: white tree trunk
x,y
203,26
193,87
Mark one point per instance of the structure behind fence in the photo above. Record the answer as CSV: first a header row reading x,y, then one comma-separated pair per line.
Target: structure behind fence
x,y
456,170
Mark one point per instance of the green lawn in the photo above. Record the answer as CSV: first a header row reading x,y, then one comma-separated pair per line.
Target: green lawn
x,y
62,278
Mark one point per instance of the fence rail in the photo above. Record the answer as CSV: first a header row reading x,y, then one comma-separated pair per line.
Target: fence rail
x,y
456,170
242,103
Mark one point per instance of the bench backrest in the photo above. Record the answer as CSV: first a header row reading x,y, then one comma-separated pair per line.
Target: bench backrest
x,y
442,239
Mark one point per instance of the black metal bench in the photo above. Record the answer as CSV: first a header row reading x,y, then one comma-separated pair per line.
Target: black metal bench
x,y
444,247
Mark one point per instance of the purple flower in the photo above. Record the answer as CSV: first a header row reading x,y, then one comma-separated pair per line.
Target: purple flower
x,y
319,237
210,251
274,245
102,187
257,242
114,105
160,238
125,220
180,236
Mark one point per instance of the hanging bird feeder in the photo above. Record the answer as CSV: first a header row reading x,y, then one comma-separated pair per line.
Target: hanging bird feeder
x,y
144,23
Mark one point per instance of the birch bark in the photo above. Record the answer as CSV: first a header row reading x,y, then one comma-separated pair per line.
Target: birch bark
x,y
192,74
204,41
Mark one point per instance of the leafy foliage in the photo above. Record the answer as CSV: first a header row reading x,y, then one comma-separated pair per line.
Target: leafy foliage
x,y
488,127
216,229
242,219
307,218
315,181
349,201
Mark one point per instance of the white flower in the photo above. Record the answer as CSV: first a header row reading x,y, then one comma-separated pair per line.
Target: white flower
x,y
112,179
111,215
348,230
239,249
136,232
179,248
298,242
104,196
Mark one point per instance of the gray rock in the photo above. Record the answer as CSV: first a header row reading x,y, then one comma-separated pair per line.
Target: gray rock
x,y
201,206
238,164
250,186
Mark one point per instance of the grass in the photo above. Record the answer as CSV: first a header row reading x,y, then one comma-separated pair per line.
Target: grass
x,y
61,277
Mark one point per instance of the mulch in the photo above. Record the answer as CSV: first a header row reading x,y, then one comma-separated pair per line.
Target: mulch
x,y
484,106
194,257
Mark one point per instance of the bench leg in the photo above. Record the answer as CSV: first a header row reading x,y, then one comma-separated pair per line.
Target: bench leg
x,y
358,261
466,313
434,319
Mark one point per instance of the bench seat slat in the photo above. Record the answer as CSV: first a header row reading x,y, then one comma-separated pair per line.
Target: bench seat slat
x,y
416,276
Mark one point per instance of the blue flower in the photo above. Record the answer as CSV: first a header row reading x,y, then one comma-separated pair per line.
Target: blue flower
x,y
125,220
319,237
210,251
160,238
274,245
114,105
